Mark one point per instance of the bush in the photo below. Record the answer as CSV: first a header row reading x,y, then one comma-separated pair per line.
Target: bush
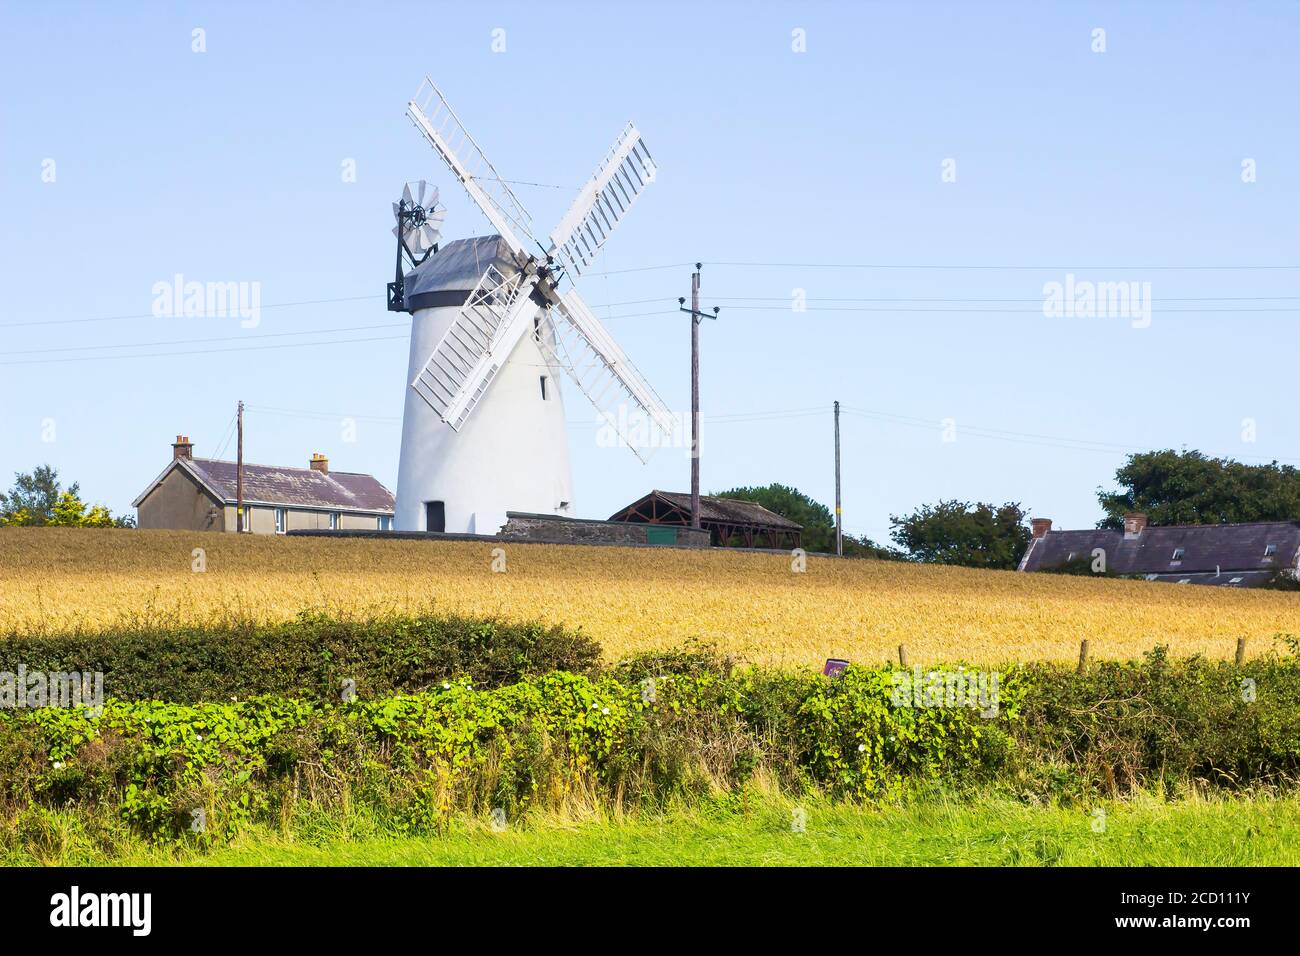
x,y
645,737
309,657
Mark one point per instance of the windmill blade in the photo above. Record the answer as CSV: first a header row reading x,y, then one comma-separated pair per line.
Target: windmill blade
x,y
406,195
434,117
580,345
422,195
475,346
620,178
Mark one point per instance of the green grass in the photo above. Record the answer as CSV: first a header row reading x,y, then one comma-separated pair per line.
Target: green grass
x,y
1142,832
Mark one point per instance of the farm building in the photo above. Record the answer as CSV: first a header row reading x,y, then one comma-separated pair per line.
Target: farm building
x,y
729,521
1228,555
200,494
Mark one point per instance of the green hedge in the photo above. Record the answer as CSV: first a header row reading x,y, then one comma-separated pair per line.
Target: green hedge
x,y
645,738
309,657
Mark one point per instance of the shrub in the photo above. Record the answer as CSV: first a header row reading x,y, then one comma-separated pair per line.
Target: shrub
x,y
311,656
412,761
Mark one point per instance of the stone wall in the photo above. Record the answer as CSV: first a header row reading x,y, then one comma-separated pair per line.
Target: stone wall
x,y
556,529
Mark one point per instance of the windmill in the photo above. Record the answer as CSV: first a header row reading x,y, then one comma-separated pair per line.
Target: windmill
x,y
491,326
419,225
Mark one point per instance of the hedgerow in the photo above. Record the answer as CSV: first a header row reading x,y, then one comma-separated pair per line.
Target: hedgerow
x,y
643,737
314,656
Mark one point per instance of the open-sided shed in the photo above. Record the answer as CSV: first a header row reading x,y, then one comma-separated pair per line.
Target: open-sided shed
x,y
729,520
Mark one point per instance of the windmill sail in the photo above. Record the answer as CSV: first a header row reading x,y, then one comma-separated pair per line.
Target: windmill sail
x,y
497,313
475,345
581,346
620,178
434,117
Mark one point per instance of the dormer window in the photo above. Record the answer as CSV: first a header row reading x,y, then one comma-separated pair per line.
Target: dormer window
x,y
1270,550
1178,555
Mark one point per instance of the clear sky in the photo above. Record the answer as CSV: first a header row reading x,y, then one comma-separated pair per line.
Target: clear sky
x,y
821,171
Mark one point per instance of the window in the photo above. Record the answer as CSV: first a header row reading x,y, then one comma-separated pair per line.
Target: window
x,y
1178,554
334,521
248,518
281,521
1236,580
385,522
1270,550
545,397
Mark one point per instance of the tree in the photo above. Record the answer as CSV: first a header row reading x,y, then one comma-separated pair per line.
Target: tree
x,y
1190,488
39,499
817,520
957,532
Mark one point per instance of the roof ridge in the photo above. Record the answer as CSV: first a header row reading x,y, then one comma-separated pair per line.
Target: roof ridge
x,y
1174,527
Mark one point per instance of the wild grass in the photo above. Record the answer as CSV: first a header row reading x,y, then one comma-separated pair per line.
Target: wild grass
x,y
755,829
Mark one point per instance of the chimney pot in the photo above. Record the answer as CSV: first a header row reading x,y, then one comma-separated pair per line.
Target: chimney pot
x,y
183,448
1135,522
1041,526
320,463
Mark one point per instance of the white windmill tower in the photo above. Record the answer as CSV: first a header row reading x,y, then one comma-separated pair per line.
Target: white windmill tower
x,y
483,427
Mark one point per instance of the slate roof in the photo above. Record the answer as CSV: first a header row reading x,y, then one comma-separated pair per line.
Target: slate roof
x,y
726,511
289,487
1206,548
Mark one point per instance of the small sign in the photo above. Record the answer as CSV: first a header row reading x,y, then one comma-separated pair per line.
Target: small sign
x,y
834,667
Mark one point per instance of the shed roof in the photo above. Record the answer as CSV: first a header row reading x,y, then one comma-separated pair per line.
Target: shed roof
x,y
720,510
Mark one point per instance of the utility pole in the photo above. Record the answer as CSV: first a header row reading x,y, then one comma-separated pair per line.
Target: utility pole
x,y
839,515
696,315
239,472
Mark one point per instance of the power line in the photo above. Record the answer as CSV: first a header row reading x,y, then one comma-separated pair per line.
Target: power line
x,y
324,416
955,267
1027,438
226,436
150,315
246,348
1039,299
224,338
668,298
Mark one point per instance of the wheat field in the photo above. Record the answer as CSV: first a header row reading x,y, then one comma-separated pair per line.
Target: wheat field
x,y
629,599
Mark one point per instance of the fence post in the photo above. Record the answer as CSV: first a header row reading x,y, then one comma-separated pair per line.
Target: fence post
x,y
1241,651
902,654
1083,657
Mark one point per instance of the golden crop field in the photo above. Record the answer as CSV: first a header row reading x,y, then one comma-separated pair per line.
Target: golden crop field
x,y
630,599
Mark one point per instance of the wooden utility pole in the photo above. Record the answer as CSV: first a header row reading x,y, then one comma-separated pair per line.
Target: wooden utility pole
x,y
696,315
839,515
239,472
695,397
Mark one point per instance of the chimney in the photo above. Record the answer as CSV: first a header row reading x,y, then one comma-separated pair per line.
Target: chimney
x,y
320,463
183,448
1135,523
1041,526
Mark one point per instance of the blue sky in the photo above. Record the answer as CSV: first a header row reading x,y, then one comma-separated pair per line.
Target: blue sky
x,y
818,171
